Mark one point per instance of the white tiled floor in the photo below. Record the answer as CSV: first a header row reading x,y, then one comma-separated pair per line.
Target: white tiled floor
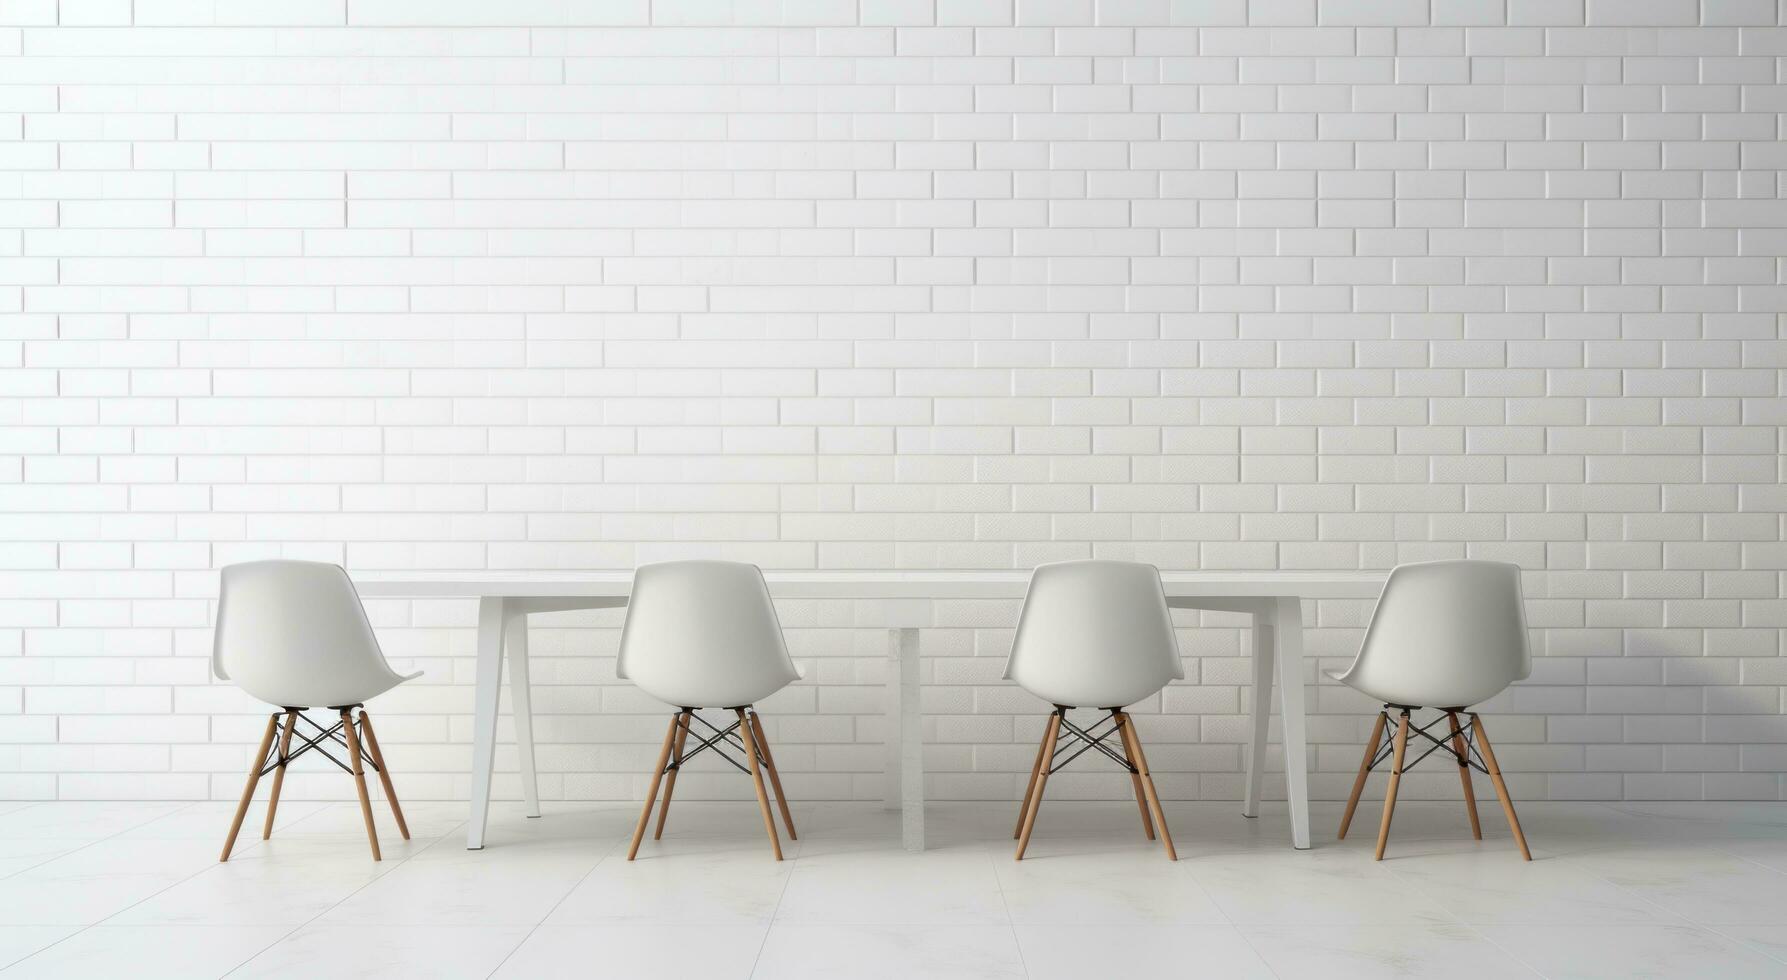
x,y
133,889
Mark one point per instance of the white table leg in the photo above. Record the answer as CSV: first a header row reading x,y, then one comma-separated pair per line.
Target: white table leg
x,y
890,726
1288,632
1263,654
521,703
491,614
905,742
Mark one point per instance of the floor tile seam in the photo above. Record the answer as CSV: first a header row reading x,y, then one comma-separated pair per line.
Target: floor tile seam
x,y
1726,850
1669,913
1511,954
1011,922
98,840
769,924
86,926
1718,929
612,847
294,930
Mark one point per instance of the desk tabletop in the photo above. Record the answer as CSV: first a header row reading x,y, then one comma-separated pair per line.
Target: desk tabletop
x,y
965,584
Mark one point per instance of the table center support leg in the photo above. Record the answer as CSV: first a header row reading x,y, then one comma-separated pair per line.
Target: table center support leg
x,y
521,705
1287,631
1263,655
905,746
492,615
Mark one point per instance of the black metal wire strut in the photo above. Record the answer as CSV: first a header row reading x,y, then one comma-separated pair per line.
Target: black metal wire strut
x,y
722,736
1469,757
1093,741
332,734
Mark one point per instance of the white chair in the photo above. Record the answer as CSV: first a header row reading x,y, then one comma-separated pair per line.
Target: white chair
x,y
704,634
293,634
1094,634
1446,635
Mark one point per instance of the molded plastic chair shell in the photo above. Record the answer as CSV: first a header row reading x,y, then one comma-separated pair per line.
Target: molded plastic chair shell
x,y
703,634
293,634
1094,634
1445,634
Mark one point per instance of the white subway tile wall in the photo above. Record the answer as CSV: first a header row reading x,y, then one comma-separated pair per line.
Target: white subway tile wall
x,y
573,284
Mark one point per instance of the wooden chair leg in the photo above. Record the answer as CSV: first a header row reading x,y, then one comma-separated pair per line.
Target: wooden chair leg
x,y
775,778
651,795
1371,747
1141,762
1402,743
1042,782
384,772
285,745
769,820
353,751
1501,788
254,777
1464,773
1042,745
676,754
1135,780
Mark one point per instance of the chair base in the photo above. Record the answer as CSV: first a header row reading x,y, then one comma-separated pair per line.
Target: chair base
x,y
758,760
350,733
1132,759
1469,748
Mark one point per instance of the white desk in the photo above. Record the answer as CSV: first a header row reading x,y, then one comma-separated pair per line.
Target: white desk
x,y
506,599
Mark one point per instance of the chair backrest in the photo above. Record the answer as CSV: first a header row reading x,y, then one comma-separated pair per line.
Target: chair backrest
x,y
1093,631
1446,626
703,634
286,628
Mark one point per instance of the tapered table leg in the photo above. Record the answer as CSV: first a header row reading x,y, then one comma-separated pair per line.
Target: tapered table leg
x,y
492,611
1264,652
521,704
1287,632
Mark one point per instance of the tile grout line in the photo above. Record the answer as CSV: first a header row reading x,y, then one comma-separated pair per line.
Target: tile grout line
x,y
561,900
776,912
1716,929
1010,922
1681,920
1230,921
367,884
101,840
252,844
83,928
